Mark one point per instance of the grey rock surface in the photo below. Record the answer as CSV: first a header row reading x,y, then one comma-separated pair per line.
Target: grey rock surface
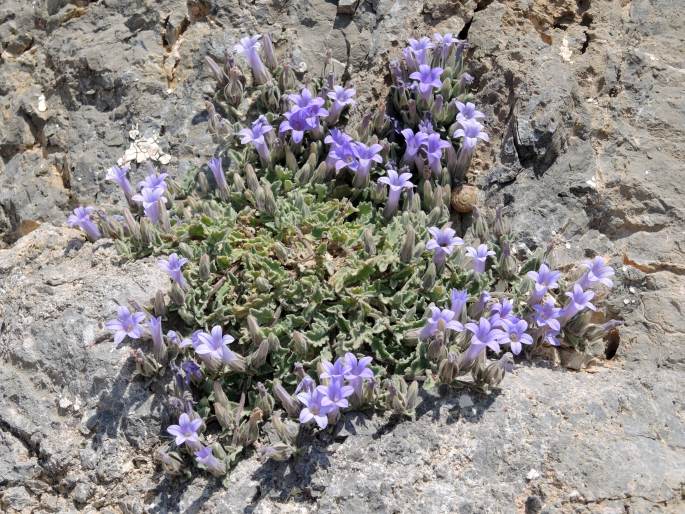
x,y
585,107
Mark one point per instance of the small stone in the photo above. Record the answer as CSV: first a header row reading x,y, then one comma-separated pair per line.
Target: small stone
x,y
533,474
465,401
464,199
82,492
533,504
347,6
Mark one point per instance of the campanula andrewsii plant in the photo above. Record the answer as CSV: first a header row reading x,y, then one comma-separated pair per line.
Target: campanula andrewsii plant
x,y
314,265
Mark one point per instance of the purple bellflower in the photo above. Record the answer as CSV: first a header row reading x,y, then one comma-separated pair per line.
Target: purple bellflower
x,y
597,272
502,313
119,174
409,60
192,341
479,257
357,371
249,48
335,394
479,307
545,279
307,385
158,346
255,135
153,202
444,45
443,243
334,371
419,49
205,457
428,78
216,167
81,219
515,334
414,142
441,319
467,111
154,180
551,337
366,156
186,430
471,131
127,323
466,79
341,98
314,409
547,314
192,371
213,347
579,300
396,184
434,147
483,336
458,301
297,123
312,105
341,153
172,266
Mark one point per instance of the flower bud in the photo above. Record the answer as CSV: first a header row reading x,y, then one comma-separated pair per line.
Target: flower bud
x,y
238,183
269,54
159,306
428,280
258,357
435,216
449,368
407,250
171,462
223,415
269,202
202,183
148,234
265,402
254,329
176,295
437,350
280,251
286,429
480,226
146,365
369,242
289,403
251,178
205,268
186,250
132,226
300,344
278,452
219,395
290,160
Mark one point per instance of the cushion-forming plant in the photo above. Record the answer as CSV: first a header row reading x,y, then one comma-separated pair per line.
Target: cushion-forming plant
x,y
313,266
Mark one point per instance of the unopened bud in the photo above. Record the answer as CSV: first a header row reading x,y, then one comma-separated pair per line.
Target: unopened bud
x,y
300,343
205,271
407,250
428,280
176,295
287,401
258,357
369,242
159,305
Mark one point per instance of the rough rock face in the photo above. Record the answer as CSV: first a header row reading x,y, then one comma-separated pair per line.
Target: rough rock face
x,y
586,113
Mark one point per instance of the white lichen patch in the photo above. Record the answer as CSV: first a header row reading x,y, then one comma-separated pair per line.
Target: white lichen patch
x,y
143,148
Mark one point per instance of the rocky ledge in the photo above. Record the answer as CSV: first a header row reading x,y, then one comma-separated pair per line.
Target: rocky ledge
x,y
585,102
